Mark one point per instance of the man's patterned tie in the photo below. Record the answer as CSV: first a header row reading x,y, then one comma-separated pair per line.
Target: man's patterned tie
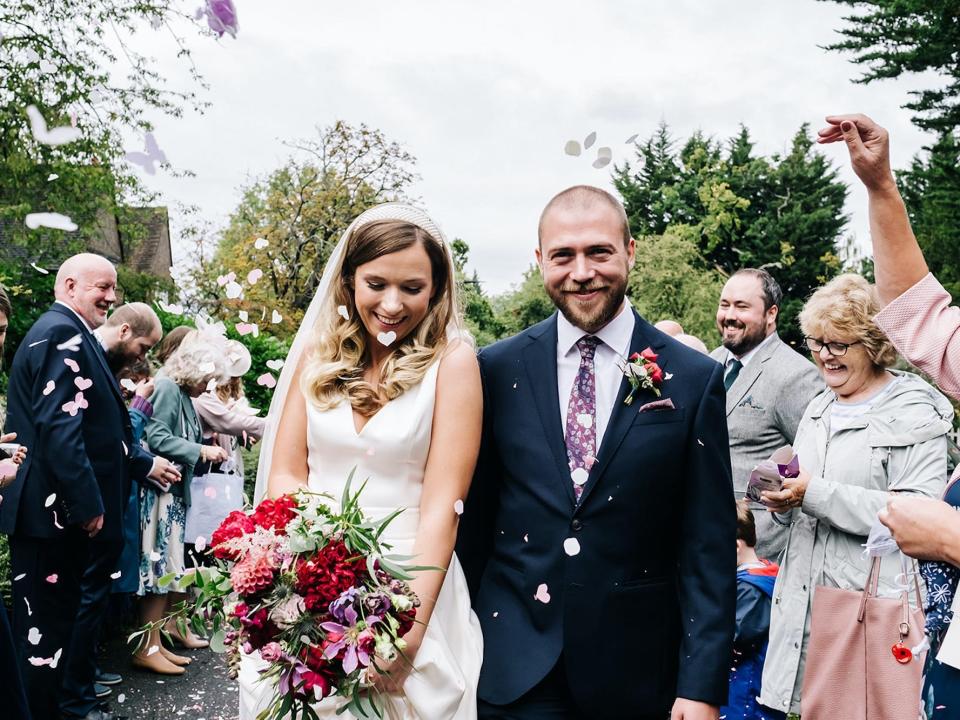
x,y
581,431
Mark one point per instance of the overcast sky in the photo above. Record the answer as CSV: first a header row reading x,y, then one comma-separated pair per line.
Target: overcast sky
x,y
486,94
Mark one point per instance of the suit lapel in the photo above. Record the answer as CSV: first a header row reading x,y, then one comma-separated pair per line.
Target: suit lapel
x,y
96,349
622,415
540,361
749,375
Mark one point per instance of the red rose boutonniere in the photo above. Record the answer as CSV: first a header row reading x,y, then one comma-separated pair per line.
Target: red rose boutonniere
x,y
642,372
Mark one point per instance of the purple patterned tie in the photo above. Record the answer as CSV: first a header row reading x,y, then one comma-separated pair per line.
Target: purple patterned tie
x,y
581,433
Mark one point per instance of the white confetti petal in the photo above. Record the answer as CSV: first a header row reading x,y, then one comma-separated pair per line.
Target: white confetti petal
x,y
542,594
33,636
52,220
56,136
342,312
579,476
233,290
243,315
260,243
585,420
154,556
387,338
458,507
571,546
42,271
572,148
152,650
51,499
116,575
275,317
275,365
589,140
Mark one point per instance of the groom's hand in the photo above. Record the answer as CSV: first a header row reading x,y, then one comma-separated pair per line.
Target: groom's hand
x,y
684,709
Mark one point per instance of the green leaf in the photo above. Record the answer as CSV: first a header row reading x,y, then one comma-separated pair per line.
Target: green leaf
x,y
218,641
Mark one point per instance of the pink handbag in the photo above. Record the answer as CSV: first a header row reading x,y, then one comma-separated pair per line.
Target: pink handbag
x,y
859,664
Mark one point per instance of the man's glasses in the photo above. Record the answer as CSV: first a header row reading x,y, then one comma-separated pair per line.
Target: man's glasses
x,y
837,349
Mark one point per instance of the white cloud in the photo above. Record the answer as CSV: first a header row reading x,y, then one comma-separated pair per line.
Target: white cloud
x,y
486,94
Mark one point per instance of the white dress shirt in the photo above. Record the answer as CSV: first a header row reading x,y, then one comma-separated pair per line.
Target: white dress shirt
x,y
611,352
79,316
748,356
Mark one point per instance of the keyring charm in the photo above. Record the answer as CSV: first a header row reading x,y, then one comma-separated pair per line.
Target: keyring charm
x,y
902,653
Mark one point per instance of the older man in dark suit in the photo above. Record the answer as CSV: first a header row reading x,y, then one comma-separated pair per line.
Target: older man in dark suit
x,y
64,510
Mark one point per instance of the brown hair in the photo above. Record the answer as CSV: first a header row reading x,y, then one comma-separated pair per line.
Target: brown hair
x,y
335,367
232,389
171,341
5,307
746,526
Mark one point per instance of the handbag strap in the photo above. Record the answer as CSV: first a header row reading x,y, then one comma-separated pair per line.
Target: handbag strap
x,y
873,585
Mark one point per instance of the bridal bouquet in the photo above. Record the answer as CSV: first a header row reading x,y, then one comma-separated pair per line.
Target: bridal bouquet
x,y
305,582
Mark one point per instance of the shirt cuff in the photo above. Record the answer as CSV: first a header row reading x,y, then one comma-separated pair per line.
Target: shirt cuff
x,y
815,496
143,405
923,294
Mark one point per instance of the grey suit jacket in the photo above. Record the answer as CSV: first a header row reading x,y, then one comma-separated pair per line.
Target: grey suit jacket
x,y
764,407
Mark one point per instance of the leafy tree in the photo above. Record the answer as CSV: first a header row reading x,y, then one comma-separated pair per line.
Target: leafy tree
x,y
784,213
671,281
287,224
931,190
478,314
526,304
893,37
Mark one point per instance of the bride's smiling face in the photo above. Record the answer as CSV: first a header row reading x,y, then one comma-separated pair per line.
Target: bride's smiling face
x,y
392,292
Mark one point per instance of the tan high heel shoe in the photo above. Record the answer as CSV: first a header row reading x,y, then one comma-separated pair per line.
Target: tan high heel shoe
x,y
155,663
190,642
178,660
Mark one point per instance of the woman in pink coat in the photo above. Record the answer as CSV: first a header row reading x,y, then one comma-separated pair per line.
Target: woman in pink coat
x,y
923,325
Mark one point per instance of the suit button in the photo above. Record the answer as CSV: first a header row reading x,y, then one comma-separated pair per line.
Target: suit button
x,y
576,524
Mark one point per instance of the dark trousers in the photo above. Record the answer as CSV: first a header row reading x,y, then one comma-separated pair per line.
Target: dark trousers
x,y
67,614
550,699
13,700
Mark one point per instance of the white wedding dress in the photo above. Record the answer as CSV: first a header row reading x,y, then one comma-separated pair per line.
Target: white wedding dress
x,y
390,452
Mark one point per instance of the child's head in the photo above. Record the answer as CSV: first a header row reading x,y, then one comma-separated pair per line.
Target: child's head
x,y
135,372
746,532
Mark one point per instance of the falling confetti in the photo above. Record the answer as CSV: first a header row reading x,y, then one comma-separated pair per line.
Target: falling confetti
x,y
72,345
276,317
254,275
52,220
33,636
526,537
42,134
154,556
275,364
604,156
542,594
233,290
200,543
42,271
342,312
149,159
571,546
267,380
52,176
52,578
244,328
82,383
224,279
207,367
72,364
579,476
632,139
458,507
171,309
572,148
589,140
386,338
128,384
261,243
152,650
243,315
49,387
116,575
49,662
51,499
74,406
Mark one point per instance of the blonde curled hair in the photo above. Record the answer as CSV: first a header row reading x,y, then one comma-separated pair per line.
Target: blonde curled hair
x,y
334,366
847,305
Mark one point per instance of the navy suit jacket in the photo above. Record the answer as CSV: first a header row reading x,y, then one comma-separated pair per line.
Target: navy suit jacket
x,y
645,611
84,460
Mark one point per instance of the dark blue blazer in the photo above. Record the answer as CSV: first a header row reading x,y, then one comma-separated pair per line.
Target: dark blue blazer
x,y
645,611
85,460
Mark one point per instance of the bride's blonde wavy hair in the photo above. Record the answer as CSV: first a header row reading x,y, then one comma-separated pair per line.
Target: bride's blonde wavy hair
x,y
334,365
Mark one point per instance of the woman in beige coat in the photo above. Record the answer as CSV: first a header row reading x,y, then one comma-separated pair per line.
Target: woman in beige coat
x,y
874,431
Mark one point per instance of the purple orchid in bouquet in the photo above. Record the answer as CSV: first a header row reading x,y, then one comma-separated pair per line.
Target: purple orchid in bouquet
x,y
353,638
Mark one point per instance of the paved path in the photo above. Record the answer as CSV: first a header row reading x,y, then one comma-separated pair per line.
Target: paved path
x,y
204,692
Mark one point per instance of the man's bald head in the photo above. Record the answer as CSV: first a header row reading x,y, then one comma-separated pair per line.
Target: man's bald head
x,y
585,197
670,327
87,283
129,333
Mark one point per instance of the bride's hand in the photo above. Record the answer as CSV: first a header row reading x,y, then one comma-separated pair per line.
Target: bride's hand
x,y
392,675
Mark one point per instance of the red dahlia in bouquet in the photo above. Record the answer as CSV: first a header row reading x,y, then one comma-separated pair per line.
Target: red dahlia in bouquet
x,y
306,582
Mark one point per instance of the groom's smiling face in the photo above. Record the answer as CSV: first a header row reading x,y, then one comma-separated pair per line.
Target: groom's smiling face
x,y
585,261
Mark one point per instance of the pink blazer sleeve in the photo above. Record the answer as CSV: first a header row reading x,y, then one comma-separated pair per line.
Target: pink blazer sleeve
x,y
925,328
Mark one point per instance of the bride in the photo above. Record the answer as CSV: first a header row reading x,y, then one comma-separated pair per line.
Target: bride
x,y
379,379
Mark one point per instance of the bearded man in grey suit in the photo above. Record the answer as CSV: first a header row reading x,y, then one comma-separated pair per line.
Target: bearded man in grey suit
x,y
768,385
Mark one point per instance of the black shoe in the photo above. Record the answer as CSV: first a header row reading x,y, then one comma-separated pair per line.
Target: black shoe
x,y
108,678
102,691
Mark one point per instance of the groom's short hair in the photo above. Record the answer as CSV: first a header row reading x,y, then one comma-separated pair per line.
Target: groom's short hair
x,y
583,197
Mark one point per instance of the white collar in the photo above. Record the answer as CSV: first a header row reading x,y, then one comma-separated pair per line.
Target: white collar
x,y
616,334
747,357
79,316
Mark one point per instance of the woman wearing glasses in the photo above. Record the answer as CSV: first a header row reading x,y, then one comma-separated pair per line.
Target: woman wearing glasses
x,y
873,431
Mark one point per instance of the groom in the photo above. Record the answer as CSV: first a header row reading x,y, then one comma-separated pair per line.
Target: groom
x,y
599,536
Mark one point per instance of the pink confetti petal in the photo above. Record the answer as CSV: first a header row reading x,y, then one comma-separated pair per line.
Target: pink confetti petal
x,y
52,579
267,380
224,279
542,594
49,387
245,328
458,507
82,383
72,364
210,492
200,543
254,275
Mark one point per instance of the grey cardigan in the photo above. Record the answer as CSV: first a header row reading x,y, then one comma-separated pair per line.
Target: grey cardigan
x,y
174,431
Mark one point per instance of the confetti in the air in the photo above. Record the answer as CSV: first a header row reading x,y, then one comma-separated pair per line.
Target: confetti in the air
x,y
579,476
51,499
47,136
52,578
261,243
542,594
49,387
343,312
171,309
49,662
221,17
243,315
150,158
116,575
207,367
248,329
224,279
72,364
571,546
267,380
52,176
82,383
33,636
572,148
604,156
154,556
72,345
458,507
74,406
386,338
589,140
632,139
128,384
254,275
275,317
52,220
275,365
200,543
233,290
42,271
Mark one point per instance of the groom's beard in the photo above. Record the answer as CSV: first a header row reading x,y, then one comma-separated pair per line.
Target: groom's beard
x,y
590,317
